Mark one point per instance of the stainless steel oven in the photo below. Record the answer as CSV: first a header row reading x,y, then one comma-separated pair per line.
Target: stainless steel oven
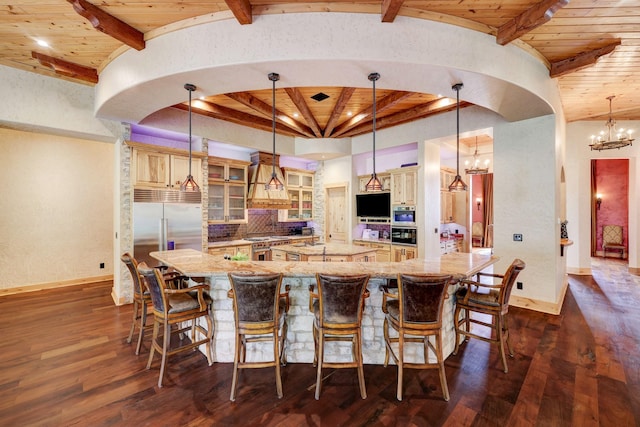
x,y
404,235
403,216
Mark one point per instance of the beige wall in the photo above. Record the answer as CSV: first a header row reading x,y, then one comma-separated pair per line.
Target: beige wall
x,y
56,209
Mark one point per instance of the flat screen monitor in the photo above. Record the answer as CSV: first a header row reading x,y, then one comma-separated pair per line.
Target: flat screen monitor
x,y
373,205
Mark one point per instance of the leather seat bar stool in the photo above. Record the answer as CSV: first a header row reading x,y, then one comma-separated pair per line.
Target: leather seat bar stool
x,y
260,311
337,307
177,307
415,312
487,298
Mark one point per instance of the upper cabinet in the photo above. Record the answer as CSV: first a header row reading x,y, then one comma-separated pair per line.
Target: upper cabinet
x,y
162,167
227,191
404,188
299,184
384,178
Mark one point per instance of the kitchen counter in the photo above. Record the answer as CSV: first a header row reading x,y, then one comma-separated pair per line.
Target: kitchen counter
x,y
299,275
330,252
249,241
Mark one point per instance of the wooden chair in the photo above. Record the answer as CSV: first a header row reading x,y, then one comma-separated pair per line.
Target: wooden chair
x,y
141,297
415,313
477,235
337,307
491,299
260,312
612,240
175,307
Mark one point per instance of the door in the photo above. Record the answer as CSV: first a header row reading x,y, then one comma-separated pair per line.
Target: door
x,y
336,208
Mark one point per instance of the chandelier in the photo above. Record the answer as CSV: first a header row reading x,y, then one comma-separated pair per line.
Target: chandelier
x,y
457,184
274,183
189,185
476,169
605,139
374,183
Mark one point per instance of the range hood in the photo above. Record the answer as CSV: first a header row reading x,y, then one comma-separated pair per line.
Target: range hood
x,y
259,174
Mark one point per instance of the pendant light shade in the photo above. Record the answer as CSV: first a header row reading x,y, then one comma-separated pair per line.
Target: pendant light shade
x,y
374,183
457,184
189,185
274,183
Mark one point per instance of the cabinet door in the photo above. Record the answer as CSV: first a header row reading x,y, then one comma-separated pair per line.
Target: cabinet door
x,y
216,202
446,207
397,188
236,203
410,188
151,169
180,170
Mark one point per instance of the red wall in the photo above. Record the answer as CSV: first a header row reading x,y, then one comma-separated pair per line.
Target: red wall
x,y
612,182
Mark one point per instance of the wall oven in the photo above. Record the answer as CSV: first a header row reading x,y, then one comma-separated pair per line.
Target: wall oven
x,y
404,235
404,216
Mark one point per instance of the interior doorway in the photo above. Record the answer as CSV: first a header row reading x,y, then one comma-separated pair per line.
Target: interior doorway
x,y
609,204
481,211
336,209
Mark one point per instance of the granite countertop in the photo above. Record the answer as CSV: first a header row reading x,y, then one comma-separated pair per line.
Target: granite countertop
x,y
379,240
197,264
334,249
239,242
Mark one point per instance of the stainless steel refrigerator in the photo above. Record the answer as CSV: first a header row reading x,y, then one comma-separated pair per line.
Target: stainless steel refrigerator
x,y
158,226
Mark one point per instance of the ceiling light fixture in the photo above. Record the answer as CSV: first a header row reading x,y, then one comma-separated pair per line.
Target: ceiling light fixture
x,y
190,185
274,183
476,169
374,182
623,138
457,184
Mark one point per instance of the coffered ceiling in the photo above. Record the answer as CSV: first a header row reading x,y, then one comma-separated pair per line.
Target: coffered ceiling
x,y
592,48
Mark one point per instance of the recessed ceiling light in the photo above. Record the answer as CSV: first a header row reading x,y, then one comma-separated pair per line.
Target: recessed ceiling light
x,y
202,97
42,43
295,114
349,113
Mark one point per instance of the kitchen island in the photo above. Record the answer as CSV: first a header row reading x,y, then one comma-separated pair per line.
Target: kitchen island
x,y
323,252
299,275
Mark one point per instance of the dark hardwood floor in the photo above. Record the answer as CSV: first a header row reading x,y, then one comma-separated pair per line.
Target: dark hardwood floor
x,y
65,362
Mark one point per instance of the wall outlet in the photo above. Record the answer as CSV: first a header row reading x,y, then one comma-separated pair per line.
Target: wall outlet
x,y
517,237
519,285
102,265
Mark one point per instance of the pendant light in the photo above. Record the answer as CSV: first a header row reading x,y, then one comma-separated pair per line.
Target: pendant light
x,y
189,185
457,184
274,183
374,183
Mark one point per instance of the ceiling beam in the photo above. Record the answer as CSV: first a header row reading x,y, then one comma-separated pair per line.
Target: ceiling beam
x,y
581,60
65,68
301,105
265,109
390,9
385,103
528,20
242,10
109,24
341,104
421,111
215,111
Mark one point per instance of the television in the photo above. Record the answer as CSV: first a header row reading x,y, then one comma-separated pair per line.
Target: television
x,y
373,205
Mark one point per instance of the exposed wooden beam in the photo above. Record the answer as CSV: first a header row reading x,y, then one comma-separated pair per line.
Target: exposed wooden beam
x,y
242,10
427,109
302,106
386,102
580,61
109,24
341,104
390,9
531,18
265,109
65,68
234,116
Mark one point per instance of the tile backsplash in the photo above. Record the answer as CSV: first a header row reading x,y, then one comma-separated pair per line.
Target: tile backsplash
x,y
262,222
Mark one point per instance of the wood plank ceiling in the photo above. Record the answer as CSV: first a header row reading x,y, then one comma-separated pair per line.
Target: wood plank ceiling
x,y
592,48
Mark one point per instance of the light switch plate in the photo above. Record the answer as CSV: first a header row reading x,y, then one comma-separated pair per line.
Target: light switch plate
x,y
517,237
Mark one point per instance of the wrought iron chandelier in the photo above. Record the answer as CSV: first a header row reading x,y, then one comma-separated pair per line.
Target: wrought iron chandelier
x,y
274,183
605,139
374,183
457,184
189,185
475,169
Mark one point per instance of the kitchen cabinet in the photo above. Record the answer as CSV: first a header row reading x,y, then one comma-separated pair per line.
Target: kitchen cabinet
x,y
299,184
151,168
231,250
227,191
403,253
383,250
446,207
384,178
404,186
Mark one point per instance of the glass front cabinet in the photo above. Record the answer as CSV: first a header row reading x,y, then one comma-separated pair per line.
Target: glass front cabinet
x,y
299,184
227,191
